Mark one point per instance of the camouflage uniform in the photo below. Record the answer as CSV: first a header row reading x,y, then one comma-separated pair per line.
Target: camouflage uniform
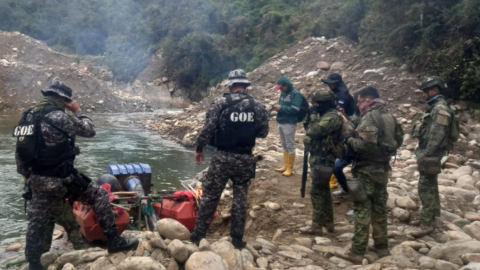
x,y
61,213
320,127
47,190
373,173
431,133
240,168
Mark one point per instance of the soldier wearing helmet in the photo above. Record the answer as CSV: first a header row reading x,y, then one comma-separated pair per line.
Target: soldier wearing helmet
x,y
322,123
232,125
432,134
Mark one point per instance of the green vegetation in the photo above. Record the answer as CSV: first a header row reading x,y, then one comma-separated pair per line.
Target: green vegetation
x,y
201,40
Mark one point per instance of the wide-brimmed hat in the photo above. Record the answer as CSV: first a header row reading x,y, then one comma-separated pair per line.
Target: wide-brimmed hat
x,y
237,76
333,78
58,88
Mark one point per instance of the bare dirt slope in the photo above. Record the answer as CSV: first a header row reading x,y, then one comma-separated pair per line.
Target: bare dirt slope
x,y
27,65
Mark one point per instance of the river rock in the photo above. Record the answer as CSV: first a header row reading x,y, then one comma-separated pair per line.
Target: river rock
x,y
247,258
92,256
100,264
290,254
471,257
458,248
178,251
304,241
172,229
116,258
337,65
455,235
397,260
405,154
267,244
48,258
466,180
406,251
140,263
324,241
14,247
427,262
323,65
205,260
68,266
406,203
401,214
262,262
204,245
273,206
471,266
74,257
444,265
472,230
464,170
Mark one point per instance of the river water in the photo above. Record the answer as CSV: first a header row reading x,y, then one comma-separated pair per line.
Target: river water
x,y
118,140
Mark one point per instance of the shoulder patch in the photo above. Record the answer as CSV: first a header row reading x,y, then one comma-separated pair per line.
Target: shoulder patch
x,y
369,134
442,118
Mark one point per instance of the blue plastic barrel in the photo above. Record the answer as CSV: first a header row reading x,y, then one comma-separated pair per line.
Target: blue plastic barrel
x,y
129,168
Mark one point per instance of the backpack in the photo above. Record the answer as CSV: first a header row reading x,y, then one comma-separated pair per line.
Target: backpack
x,y
387,143
29,134
304,108
454,134
336,141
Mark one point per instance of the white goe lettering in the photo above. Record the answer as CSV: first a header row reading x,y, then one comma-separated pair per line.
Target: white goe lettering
x,y
250,117
243,117
16,132
234,117
24,130
30,130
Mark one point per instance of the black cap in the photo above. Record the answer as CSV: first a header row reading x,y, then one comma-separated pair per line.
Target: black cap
x,y
333,78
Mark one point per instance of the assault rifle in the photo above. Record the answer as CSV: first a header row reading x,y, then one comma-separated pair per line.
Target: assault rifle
x,y
304,173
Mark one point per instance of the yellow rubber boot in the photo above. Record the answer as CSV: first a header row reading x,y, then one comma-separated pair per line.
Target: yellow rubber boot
x,y
291,161
285,163
333,182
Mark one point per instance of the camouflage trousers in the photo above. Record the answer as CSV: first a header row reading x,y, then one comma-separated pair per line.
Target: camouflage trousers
x,y
321,202
62,214
240,168
46,191
430,198
373,210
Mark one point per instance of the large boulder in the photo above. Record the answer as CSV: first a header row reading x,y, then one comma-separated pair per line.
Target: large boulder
x,y
205,260
222,248
140,263
74,257
172,229
48,258
464,170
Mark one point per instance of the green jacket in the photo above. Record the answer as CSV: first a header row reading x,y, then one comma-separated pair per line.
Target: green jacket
x,y
373,141
321,127
291,102
431,132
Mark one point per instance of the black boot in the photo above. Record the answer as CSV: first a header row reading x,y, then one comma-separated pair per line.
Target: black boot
x,y
35,266
238,243
116,243
196,238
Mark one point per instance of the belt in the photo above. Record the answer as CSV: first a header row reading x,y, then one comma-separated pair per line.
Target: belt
x,y
236,150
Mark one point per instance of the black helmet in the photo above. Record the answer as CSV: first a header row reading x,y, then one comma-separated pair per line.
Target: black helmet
x,y
333,78
110,179
324,95
433,81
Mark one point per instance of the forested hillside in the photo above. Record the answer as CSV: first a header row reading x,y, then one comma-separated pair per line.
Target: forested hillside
x,y
201,40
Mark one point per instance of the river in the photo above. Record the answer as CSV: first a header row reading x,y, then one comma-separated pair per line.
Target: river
x,y
118,140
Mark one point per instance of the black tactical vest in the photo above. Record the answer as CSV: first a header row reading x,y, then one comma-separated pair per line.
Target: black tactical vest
x,y
56,161
239,133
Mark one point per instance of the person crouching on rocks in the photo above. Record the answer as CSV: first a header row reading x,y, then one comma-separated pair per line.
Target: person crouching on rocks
x,y
232,124
288,109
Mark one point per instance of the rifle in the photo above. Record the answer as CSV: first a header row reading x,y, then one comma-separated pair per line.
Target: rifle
x,y
304,173
27,194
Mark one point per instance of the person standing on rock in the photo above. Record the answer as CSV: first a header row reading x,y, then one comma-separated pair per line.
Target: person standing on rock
x,y
232,124
45,156
288,108
375,141
432,134
323,122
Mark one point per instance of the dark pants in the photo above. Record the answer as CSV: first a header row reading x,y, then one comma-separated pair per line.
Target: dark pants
x,y
238,167
47,190
340,164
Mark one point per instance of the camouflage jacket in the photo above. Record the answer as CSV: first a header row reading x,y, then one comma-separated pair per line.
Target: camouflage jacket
x,y
80,125
320,128
433,129
366,144
212,122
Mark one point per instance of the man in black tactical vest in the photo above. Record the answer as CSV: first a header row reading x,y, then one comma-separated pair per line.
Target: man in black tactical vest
x,y
232,124
45,156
